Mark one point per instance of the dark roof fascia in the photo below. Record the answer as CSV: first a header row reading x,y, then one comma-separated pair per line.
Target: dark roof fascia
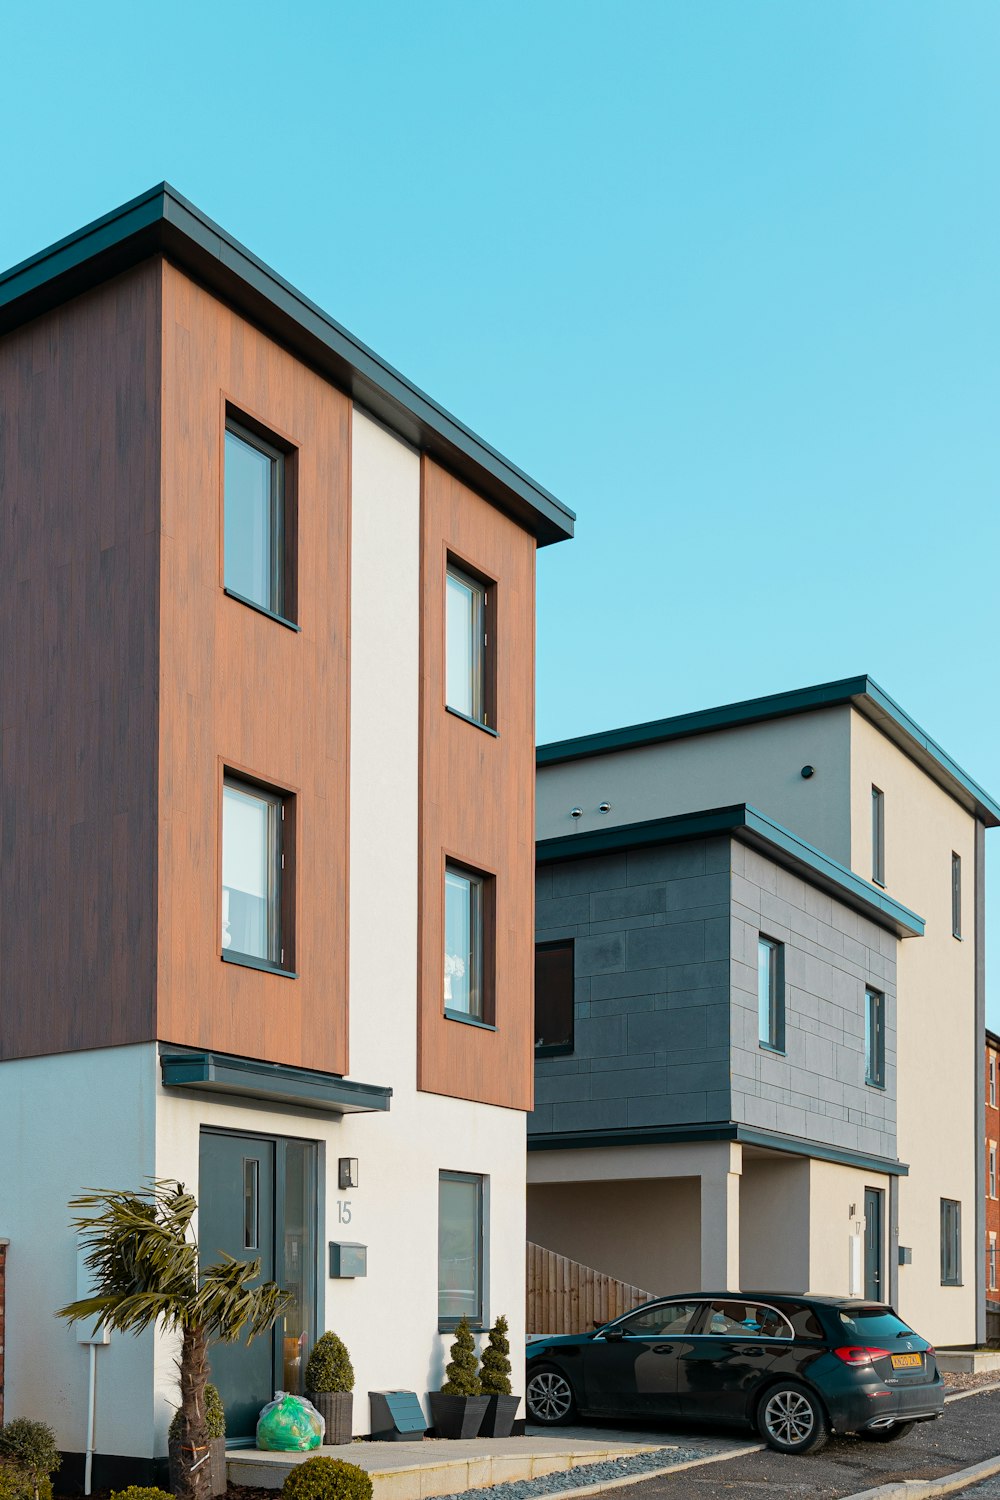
x,y
752,827
278,1083
162,221
862,692
654,1135
992,1038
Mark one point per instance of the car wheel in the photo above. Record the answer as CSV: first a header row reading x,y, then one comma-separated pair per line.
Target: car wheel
x,y
549,1397
887,1434
790,1419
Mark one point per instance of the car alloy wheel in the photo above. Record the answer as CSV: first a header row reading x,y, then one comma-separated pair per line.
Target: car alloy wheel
x,y
549,1397
791,1421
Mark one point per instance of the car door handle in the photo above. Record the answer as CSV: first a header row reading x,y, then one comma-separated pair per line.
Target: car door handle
x,y
663,1349
750,1349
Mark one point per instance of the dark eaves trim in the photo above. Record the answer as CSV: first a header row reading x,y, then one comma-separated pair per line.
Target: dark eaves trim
x,y
751,827
161,221
278,1083
670,1135
863,693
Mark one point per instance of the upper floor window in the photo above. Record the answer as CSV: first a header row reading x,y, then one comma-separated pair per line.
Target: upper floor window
x,y
875,1038
878,836
951,1242
254,925
468,925
554,997
256,553
993,1079
993,1169
468,650
771,993
956,895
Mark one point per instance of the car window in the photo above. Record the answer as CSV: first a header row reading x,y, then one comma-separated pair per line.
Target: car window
x,y
868,1323
805,1323
661,1318
744,1320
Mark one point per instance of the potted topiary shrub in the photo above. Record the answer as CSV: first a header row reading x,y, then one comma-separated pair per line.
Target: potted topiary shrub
x,y
329,1383
458,1408
495,1379
327,1479
215,1426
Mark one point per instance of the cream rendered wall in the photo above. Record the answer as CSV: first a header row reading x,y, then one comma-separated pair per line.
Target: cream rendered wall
x,y
389,1318
774,1224
833,1191
757,763
645,1233
69,1122
937,1052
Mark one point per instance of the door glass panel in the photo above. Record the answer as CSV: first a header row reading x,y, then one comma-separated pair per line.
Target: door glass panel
x,y
251,1203
737,1319
297,1272
651,1322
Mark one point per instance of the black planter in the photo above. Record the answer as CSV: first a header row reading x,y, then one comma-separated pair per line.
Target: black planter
x,y
337,1410
499,1418
216,1465
457,1416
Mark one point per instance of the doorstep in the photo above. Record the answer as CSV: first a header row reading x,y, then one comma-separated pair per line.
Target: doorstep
x,y
435,1466
967,1361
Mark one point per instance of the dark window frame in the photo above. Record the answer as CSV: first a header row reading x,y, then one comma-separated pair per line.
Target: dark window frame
x,y
878,835
875,1017
485,880
562,1048
951,1242
282,604
446,1322
281,903
774,1040
465,573
956,895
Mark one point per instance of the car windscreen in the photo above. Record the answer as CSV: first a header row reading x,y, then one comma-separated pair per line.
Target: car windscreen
x,y
867,1324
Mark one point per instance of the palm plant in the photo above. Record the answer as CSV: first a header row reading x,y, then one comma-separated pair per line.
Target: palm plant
x,y
143,1257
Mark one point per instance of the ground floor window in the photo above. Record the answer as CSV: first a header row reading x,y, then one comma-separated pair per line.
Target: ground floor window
x,y
951,1242
991,1264
460,1249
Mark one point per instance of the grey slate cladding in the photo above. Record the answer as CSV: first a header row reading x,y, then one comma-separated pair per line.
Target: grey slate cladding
x,y
666,998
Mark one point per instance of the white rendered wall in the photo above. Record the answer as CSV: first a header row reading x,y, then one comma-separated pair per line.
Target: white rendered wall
x,y
938,1052
71,1122
834,1191
774,1224
645,1233
757,763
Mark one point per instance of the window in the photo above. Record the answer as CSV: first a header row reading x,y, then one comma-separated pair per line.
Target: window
x,y
951,1242
468,945
956,895
993,1169
875,1038
255,928
771,994
468,657
878,836
460,1249
991,1269
255,523
742,1320
554,997
993,1080
667,1318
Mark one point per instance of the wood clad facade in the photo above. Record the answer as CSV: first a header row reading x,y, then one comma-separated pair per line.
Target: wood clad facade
x,y
240,691
477,797
79,476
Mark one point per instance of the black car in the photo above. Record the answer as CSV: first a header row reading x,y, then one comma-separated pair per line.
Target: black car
x,y
796,1368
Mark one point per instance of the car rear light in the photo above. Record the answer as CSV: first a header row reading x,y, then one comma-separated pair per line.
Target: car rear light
x,y
858,1354
929,1349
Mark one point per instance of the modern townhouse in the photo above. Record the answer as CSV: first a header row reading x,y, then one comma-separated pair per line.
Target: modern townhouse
x,y
760,1005
267,818
990,1174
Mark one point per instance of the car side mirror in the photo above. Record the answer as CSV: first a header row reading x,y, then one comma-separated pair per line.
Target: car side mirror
x,y
614,1335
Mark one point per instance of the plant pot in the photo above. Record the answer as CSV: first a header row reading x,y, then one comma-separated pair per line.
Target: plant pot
x,y
499,1418
457,1416
337,1410
216,1465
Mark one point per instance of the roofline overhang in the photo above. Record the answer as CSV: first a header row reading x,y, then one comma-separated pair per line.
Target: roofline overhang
x,y
862,693
754,828
728,1130
275,1083
163,222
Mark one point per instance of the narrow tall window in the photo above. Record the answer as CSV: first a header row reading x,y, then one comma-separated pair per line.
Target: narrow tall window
x,y
993,1080
467,647
951,1242
467,943
255,520
554,997
460,1249
991,1256
993,1169
956,895
878,836
875,1038
251,872
771,994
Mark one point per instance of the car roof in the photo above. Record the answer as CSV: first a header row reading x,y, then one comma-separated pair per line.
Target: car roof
x,y
808,1298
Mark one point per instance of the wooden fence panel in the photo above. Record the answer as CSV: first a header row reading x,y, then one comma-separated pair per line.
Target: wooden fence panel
x,y
567,1297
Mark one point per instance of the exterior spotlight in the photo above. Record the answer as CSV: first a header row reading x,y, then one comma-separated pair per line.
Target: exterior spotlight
x,y
347,1171
808,771
576,812
605,807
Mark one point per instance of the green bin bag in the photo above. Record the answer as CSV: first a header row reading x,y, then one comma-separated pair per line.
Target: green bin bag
x,y
289,1424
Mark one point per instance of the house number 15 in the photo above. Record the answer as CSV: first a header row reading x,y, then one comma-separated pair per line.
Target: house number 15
x,y
343,1210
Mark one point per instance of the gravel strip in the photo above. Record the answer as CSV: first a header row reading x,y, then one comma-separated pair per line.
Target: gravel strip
x,y
574,1479
956,1382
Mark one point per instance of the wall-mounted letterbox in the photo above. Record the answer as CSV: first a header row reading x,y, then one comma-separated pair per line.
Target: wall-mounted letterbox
x,y
905,1255
348,1259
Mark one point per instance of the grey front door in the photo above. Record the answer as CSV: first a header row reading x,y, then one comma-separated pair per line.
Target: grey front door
x,y
874,1278
257,1199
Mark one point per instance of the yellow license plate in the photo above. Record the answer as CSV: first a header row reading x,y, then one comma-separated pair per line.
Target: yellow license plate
x,y
907,1361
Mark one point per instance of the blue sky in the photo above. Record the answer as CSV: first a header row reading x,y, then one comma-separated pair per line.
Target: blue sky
x,y
723,274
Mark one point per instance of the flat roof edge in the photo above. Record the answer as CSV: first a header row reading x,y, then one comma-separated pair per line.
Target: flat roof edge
x,y
161,220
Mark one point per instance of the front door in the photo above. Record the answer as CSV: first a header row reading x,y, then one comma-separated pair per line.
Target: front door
x,y
874,1279
257,1199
